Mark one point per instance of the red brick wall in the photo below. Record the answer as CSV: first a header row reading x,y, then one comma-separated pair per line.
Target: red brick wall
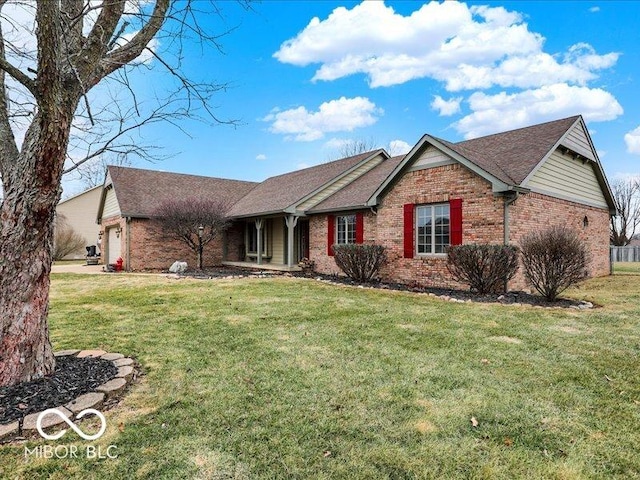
x,y
235,242
482,222
482,219
149,250
318,239
534,211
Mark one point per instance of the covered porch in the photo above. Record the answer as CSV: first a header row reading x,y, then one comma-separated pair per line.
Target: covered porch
x,y
274,242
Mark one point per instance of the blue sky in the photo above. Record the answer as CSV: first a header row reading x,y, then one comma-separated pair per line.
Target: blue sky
x,y
305,76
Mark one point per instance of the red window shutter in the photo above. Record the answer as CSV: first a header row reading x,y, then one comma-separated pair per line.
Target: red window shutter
x,y
455,212
359,227
408,230
331,234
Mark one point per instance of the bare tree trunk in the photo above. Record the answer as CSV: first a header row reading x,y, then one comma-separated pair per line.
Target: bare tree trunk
x,y
26,246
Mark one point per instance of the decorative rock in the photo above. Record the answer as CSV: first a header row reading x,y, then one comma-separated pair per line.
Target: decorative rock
x,y
88,400
48,421
91,353
125,372
112,356
123,362
112,387
8,430
178,267
66,353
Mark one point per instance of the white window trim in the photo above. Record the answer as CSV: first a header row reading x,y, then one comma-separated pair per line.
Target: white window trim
x,y
355,227
433,231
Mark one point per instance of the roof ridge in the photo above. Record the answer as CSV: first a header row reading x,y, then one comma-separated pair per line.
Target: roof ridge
x,y
181,174
535,125
363,154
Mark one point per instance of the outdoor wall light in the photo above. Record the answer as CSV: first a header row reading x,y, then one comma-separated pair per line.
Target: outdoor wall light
x,y
118,230
585,222
200,231
100,233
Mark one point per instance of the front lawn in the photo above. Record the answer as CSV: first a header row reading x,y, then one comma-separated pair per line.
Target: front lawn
x,y
292,378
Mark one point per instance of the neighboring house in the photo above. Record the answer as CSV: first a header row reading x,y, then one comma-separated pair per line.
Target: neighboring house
x,y
80,213
492,189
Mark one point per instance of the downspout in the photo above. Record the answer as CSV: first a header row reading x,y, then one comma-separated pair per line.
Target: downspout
x,y
508,200
127,246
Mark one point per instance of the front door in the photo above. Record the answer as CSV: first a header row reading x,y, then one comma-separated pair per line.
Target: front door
x,y
113,247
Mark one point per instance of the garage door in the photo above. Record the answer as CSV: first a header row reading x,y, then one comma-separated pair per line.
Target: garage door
x,y
114,246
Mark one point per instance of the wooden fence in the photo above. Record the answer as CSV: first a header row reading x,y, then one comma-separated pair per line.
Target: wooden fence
x,y
625,254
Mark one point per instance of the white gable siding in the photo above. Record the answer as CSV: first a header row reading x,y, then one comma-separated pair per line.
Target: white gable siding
x,y
111,207
577,141
564,177
340,183
431,157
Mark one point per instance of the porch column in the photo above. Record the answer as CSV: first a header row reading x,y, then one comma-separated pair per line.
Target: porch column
x,y
259,240
291,222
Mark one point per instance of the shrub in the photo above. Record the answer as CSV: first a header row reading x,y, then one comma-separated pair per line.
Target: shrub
x,y
553,260
360,262
485,268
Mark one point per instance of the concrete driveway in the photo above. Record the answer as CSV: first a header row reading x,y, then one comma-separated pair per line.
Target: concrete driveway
x,y
90,269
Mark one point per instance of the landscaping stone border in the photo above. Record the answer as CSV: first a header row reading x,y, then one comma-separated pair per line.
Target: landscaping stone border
x,y
104,395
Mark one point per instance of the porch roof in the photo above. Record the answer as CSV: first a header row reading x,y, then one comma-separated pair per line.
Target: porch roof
x,y
277,193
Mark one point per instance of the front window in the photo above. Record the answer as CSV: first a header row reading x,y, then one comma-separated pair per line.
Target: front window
x,y
252,242
433,223
346,229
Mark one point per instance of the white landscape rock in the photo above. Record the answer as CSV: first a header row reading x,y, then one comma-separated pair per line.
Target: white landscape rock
x,y
178,267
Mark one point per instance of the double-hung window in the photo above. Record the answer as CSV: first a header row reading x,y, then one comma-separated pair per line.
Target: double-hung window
x,y
345,229
433,228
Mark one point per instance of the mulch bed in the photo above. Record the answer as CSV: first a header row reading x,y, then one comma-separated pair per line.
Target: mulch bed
x,y
72,377
516,297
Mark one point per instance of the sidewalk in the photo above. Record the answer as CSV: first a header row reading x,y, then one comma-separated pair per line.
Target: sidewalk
x,y
89,269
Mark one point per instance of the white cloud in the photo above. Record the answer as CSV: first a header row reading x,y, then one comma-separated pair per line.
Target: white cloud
x,y
337,143
261,156
341,115
632,139
466,47
446,108
398,147
501,112
594,9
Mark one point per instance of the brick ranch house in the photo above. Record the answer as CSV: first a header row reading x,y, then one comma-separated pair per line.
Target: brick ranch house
x,y
492,189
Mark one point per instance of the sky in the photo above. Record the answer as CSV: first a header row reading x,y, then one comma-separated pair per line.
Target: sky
x,y
303,78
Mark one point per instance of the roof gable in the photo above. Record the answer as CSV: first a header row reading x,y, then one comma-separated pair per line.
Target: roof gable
x,y
283,192
140,192
356,194
508,159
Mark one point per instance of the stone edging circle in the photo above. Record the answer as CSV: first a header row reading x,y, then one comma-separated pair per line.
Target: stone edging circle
x,y
106,392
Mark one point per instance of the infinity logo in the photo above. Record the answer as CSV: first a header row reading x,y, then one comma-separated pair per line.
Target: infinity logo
x,y
55,411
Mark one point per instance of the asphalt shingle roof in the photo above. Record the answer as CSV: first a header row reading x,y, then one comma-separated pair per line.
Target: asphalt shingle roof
x,y
140,192
360,190
511,156
277,193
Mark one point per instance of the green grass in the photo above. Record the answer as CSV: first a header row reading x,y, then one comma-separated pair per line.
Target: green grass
x,y
262,378
627,268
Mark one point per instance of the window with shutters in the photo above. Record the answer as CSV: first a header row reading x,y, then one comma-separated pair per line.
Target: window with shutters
x,y
345,229
433,224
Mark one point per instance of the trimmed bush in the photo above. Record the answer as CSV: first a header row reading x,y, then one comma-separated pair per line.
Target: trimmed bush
x,y
360,262
485,268
553,260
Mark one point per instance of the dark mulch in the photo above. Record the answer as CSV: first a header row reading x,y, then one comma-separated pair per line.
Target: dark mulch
x,y
72,377
507,298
